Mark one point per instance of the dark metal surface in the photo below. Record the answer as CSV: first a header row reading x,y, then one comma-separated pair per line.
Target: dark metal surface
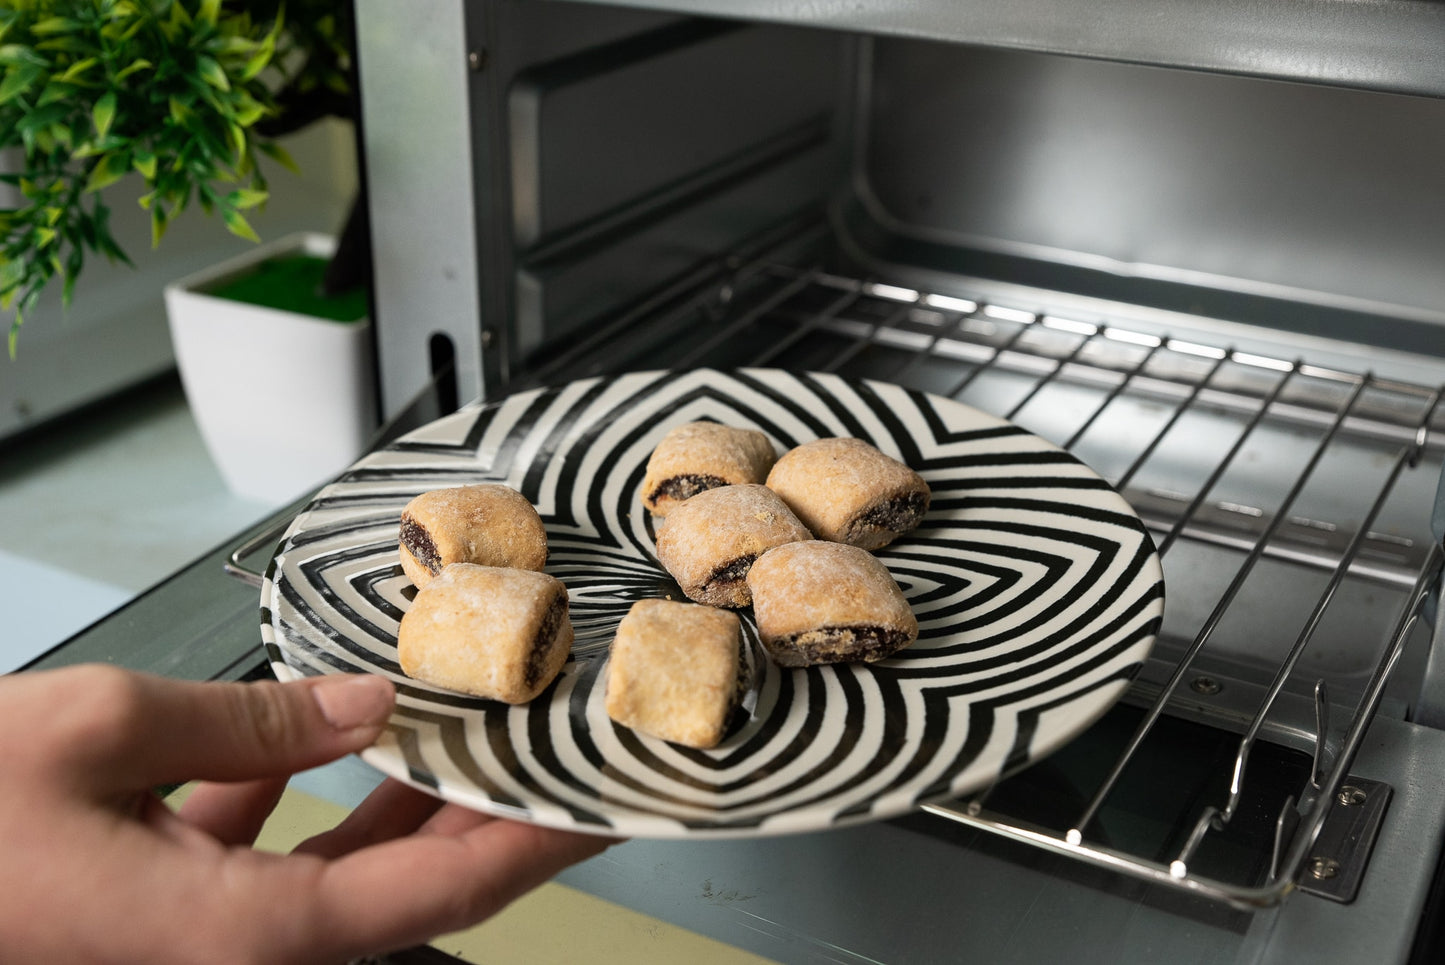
x,y
1337,861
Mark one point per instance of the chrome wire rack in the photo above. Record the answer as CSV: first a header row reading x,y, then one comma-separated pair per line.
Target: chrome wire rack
x,y
1280,490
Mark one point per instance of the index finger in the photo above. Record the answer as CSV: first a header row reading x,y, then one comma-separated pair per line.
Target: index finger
x,y
124,731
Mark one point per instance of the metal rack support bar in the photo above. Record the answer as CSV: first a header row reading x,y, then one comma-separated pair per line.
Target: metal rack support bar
x,y
857,345
978,370
1369,703
1112,394
747,318
1039,386
699,281
1075,833
1174,418
812,324
1228,460
1287,867
915,358
1406,456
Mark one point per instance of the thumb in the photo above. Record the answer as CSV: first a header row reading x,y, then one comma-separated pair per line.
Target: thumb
x,y
148,730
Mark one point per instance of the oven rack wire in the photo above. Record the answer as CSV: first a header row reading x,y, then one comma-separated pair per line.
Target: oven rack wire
x,y
740,311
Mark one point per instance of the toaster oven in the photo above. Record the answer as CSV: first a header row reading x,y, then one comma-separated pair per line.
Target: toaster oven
x,y
1198,247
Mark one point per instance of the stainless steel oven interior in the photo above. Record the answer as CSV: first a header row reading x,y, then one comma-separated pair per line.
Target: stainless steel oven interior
x,y
1221,290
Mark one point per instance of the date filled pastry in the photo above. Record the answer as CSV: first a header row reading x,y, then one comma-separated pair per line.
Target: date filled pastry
x,y
489,631
708,542
488,524
676,671
821,602
847,491
703,455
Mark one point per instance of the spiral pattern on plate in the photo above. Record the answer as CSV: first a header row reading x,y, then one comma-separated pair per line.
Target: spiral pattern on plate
x,y
1037,590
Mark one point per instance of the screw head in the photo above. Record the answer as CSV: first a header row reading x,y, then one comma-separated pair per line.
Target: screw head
x,y
1207,686
1351,796
1323,868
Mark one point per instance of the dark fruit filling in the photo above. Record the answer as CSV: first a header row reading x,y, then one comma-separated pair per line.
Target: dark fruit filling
x,y
686,486
732,572
898,515
837,644
418,543
546,640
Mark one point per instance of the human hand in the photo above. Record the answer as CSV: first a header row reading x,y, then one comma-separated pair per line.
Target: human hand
x,y
95,868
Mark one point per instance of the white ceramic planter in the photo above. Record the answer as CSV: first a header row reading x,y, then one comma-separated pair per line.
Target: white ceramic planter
x,y
284,401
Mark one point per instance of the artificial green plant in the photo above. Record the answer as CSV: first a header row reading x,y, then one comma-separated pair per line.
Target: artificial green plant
x,y
178,93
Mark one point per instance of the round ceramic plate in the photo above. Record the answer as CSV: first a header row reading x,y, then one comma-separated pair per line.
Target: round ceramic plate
x,y
1037,590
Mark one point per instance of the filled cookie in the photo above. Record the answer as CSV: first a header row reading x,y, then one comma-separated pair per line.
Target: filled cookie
x,y
847,491
820,602
699,456
488,631
676,671
708,542
487,524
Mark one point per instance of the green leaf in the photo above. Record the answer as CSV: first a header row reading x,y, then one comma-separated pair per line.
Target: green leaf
x,y
18,79
209,13
245,198
78,68
250,112
55,25
54,91
280,155
212,73
237,224
175,28
12,54
136,65
12,273
258,62
70,45
108,170
104,113
145,163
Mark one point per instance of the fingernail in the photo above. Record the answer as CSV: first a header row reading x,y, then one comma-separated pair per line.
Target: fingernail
x,y
353,700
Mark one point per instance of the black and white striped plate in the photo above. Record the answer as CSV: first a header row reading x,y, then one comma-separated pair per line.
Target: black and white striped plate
x,y
1037,590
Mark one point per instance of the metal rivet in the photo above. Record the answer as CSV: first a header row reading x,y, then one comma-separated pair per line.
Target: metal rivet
x,y
1207,686
1351,796
489,337
1323,868
476,60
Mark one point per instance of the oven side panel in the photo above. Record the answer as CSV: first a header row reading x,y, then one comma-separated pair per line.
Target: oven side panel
x,y
535,168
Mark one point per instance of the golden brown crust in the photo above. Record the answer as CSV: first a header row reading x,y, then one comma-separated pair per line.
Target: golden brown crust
x,y
708,542
674,671
698,456
824,602
847,491
489,631
487,524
